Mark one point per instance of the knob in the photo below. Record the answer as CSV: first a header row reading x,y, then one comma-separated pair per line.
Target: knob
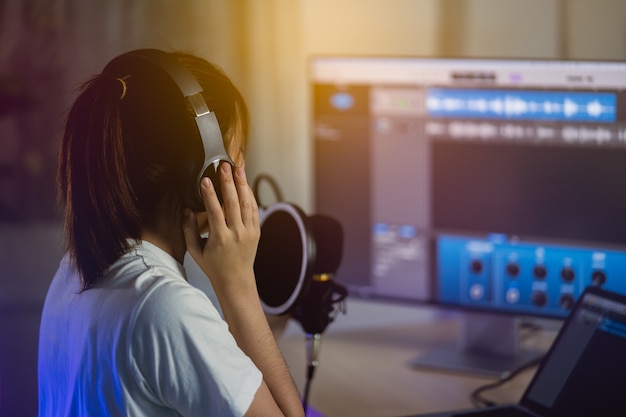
x,y
566,301
567,274
539,298
476,292
540,271
476,266
512,269
512,295
598,278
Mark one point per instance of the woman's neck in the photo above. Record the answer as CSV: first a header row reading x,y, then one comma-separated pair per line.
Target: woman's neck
x,y
167,233
172,244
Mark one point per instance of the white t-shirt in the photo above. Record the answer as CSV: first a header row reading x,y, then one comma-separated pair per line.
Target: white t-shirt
x,y
142,342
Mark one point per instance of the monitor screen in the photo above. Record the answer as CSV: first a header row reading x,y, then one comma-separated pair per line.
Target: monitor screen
x,y
496,185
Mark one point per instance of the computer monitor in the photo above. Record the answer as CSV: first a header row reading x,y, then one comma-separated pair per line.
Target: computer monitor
x,y
488,185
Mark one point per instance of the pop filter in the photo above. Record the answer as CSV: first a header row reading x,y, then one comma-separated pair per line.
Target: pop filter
x,y
284,260
296,258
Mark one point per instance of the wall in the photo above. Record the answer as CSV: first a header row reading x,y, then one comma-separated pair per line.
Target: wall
x,y
595,29
47,48
283,35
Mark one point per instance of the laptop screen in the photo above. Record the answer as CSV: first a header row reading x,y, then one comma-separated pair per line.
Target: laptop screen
x,y
584,373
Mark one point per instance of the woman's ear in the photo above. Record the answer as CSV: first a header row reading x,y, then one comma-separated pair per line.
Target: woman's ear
x,y
203,222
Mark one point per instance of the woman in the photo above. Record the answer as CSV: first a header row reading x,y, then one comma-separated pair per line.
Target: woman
x,y
122,331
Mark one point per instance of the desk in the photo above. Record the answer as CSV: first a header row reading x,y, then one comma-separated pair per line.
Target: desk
x,y
364,366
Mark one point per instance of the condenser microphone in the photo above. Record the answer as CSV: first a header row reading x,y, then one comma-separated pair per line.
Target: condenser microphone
x,y
317,307
328,236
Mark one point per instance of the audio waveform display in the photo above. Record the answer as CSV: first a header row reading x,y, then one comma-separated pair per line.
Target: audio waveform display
x,y
522,105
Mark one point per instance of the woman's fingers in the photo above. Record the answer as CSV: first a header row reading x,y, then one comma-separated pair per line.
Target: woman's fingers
x,y
247,203
228,254
239,209
230,196
215,215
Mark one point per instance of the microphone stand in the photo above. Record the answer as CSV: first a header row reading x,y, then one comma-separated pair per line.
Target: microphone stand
x,y
315,312
313,342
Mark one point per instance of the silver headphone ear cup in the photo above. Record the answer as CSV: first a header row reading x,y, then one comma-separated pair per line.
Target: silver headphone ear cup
x,y
212,172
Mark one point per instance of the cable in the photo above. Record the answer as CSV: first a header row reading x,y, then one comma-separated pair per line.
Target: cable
x,y
272,183
307,387
528,329
479,401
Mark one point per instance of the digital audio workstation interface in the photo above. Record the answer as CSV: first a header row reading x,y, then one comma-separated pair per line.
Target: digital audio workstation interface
x,y
489,184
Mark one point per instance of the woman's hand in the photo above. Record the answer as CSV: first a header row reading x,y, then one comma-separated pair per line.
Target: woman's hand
x,y
227,255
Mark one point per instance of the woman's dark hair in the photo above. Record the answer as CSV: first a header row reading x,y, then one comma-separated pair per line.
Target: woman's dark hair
x,y
128,139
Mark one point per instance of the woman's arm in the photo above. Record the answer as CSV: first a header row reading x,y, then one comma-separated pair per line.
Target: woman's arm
x,y
227,257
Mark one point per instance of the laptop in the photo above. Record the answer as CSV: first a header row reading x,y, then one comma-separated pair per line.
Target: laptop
x,y
584,372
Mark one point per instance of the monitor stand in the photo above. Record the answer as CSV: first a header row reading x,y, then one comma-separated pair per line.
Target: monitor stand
x,y
488,345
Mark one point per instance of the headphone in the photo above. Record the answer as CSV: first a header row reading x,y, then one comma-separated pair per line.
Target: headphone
x,y
206,122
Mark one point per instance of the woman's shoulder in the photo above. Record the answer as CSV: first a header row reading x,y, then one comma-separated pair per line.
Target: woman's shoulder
x,y
171,310
156,283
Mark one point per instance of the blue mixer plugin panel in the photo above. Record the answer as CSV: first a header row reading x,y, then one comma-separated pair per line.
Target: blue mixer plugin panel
x,y
499,273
